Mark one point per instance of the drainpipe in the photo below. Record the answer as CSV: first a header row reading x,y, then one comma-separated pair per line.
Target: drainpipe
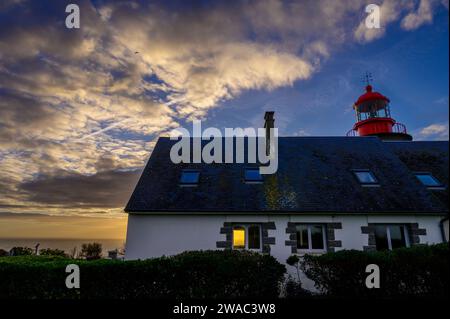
x,y
441,224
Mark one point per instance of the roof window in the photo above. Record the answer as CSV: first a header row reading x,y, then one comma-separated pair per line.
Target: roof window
x,y
189,177
365,177
252,175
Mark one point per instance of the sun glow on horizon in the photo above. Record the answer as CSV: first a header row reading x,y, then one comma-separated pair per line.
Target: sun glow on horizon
x,y
62,227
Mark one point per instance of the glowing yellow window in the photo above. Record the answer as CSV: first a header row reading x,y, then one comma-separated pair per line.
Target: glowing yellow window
x,y
239,238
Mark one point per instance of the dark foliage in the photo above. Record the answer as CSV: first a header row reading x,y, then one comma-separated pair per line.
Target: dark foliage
x,y
292,260
91,251
417,271
21,251
198,274
294,289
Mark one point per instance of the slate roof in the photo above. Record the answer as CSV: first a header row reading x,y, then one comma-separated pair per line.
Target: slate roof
x,y
314,175
426,156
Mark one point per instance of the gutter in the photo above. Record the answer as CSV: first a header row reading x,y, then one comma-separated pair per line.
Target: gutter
x,y
280,213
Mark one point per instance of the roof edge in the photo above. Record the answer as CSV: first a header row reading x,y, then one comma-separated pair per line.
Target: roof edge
x,y
262,212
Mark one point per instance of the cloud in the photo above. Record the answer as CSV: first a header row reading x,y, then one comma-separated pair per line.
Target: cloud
x,y
437,131
393,10
443,100
68,190
302,133
9,3
72,99
389,12
19,215
424,14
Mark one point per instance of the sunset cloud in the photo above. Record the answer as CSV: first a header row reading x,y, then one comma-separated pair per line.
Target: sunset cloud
x,y
81,109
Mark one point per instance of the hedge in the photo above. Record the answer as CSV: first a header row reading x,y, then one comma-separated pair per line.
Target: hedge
x,y
407,272
198,274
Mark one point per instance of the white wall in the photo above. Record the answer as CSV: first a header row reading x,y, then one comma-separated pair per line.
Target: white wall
x,y
157,235
154,236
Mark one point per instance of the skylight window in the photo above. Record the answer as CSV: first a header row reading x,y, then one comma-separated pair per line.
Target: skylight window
x,y
252,175
428,180
365,177
189,177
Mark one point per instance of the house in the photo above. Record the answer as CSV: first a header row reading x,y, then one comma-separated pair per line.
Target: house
x,y
373,189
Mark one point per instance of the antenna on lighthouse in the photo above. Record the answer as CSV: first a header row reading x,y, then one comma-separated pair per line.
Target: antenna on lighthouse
x,y
367,78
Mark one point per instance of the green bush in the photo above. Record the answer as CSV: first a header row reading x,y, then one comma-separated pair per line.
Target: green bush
x,y
294,289
198,274
21,251
52,252
416,271
91,251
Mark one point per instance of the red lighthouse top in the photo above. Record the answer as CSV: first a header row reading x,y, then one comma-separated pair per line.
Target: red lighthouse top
x,y
373,116
371,96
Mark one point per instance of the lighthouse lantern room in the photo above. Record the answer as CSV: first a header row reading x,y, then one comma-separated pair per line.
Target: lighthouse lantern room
x,y
373,118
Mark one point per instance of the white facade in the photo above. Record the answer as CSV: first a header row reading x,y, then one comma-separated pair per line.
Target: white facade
x,y
150,235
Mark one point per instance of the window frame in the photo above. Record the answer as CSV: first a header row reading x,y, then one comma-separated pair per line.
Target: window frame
x,y
251,181
376,182
439,184
310,249
182,184
388,234
246,237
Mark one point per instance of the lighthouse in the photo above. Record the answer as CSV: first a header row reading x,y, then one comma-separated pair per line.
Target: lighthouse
x,y
373,118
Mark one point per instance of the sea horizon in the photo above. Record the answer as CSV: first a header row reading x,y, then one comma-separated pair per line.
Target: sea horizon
x,y
66,244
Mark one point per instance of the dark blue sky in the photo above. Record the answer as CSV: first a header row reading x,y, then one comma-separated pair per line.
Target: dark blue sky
x,y
411,68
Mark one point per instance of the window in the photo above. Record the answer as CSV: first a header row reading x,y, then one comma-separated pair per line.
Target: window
x,y
239,238
252,175
189,177
428,180
365,177
388,237
247,237
311,237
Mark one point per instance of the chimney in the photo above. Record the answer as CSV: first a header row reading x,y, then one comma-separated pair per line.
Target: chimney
x,y
268,124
